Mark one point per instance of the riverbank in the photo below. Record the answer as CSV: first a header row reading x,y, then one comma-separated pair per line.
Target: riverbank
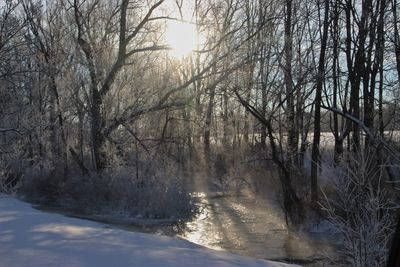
x,y
30,237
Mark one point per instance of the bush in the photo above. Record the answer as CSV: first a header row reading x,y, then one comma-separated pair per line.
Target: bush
x,y
12,169
119,193
361,211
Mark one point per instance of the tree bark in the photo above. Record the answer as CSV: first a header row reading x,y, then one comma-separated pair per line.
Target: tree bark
x,y
315,156
290,107
207,130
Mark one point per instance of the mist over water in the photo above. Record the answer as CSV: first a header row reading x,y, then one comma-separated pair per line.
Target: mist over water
x,y
256,228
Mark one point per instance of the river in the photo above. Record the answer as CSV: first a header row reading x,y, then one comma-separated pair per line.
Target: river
x,y
257,228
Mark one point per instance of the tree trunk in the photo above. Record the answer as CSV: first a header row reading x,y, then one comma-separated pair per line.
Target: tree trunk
x,y
225,120
288,50
396,37
315,156
354,76
98,140
207,130
338,134
292,204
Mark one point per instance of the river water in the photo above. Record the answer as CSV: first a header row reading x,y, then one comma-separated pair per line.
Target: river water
x,y
256,228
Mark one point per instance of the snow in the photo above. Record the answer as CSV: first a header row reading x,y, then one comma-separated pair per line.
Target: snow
x,y
30,237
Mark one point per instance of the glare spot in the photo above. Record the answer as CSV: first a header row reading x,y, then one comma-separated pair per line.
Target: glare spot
x,y
181,37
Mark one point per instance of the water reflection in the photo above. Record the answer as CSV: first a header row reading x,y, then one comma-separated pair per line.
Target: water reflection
x,y
246,226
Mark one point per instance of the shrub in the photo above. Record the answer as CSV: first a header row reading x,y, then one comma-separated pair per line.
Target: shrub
x,y
119,193
361,211
12,169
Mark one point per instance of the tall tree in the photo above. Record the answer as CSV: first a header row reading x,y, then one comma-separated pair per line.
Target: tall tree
x,y
315,154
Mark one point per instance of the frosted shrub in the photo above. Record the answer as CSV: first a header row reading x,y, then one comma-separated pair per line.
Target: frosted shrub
x,y
122,194
361,211
87,194
12,168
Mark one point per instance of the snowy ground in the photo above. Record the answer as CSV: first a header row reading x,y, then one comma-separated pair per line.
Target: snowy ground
x,y
29,237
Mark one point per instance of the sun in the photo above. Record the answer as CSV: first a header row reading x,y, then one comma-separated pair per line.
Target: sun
x,y
181,37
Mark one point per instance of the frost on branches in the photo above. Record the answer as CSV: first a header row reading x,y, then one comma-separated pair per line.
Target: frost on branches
x,y
362,210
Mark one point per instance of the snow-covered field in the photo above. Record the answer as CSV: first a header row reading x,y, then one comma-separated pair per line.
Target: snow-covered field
x,y
31,238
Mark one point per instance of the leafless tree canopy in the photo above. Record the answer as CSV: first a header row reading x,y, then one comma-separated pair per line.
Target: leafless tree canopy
x,y
91,92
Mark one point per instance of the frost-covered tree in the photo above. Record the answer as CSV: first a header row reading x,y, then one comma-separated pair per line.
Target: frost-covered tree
x,y
362,211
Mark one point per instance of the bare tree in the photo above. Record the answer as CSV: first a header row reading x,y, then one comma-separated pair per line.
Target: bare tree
x,y
315,156
47,38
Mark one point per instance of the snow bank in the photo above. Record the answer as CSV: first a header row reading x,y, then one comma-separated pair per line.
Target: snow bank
x,y
29,237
